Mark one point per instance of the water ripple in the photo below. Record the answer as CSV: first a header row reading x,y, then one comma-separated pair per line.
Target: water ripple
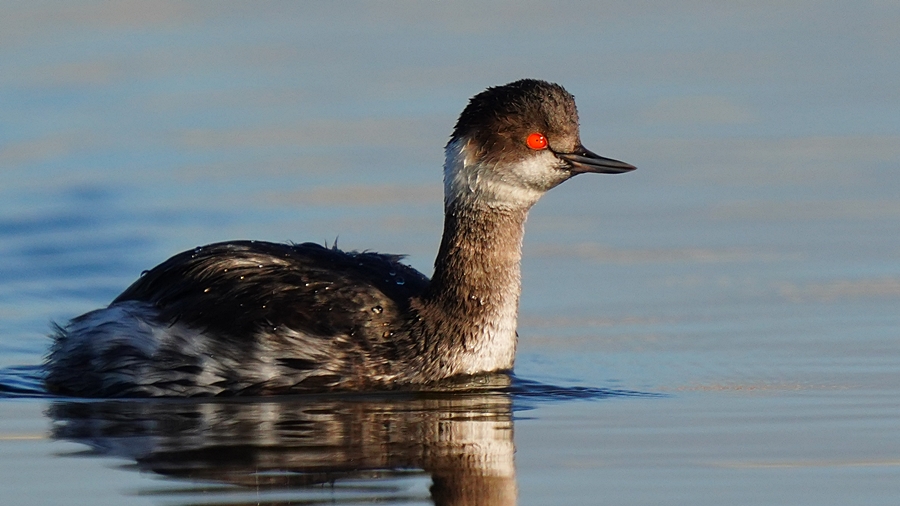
x,y
28,382
22,381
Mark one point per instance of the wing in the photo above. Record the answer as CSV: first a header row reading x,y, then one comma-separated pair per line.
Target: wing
x,y
237,288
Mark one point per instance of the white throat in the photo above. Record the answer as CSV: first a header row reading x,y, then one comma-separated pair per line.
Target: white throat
x,y
469,180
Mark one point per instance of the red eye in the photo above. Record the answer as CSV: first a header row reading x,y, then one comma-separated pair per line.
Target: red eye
x,y
536,141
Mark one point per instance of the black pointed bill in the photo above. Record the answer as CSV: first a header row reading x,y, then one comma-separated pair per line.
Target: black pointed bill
x,y
584,160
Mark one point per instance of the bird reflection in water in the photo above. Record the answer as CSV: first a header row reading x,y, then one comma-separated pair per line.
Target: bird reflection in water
x,y
462,439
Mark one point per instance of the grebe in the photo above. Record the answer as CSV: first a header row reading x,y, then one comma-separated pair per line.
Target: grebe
x,y
258,318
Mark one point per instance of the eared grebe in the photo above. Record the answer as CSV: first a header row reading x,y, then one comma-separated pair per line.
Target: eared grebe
x,y
257,318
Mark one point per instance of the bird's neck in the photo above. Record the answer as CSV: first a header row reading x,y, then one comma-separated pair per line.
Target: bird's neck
x,y
469,311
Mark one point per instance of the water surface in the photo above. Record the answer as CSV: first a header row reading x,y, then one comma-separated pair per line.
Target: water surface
x,y
745,280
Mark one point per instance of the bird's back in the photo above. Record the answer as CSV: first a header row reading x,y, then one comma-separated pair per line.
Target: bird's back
x,y
236,288
244,317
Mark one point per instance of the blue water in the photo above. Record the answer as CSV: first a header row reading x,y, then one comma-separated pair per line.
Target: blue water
x,y
719,326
